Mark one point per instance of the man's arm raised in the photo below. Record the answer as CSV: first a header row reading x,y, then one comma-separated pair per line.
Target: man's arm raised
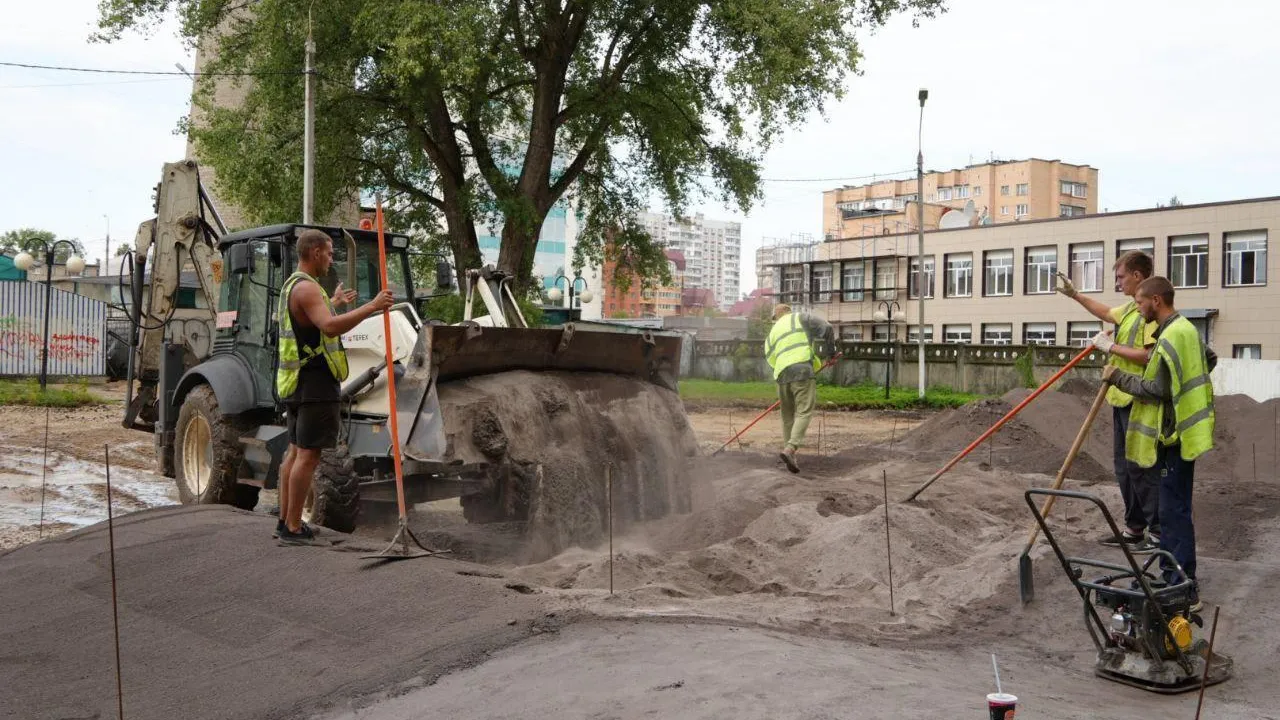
x,y
310,300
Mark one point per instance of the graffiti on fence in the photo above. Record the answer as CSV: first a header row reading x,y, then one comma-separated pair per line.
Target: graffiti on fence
x,y
75,331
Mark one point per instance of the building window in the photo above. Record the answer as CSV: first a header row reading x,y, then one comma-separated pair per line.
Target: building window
x,y
959,275
1189,261
913,284
880,333
1004,209
957,333
792,283
851,280
1074,189
886,279
998,276
821,283
1004,189
1042,263
1080,333
1086,266
997,334
1246,352
977,191
1070,210
1023,189
851,333
1022,210
1146,245
1246,261
962,192
1039,333
913,333
944,193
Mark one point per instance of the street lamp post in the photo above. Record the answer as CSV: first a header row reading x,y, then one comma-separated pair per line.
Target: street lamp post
x,y
924,95
75,265
884,314
555,295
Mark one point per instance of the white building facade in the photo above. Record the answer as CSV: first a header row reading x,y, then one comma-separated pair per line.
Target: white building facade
x,y
712,252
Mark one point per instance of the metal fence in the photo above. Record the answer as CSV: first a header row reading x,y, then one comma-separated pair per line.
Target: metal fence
x,y
77,331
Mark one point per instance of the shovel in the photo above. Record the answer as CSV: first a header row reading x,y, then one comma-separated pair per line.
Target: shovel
x,y
1026,581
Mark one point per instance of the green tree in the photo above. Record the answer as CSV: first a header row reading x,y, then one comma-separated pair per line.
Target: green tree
x,y
33,241
122,249
760,322
495,110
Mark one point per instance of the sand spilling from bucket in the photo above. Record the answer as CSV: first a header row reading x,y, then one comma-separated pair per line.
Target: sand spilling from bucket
x,y
808,552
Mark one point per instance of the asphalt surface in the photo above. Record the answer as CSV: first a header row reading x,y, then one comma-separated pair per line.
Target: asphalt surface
x,y
219,621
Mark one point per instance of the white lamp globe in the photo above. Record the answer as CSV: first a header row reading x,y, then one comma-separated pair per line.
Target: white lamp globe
x,y
554,294
879,316
24,261
75,264
586,296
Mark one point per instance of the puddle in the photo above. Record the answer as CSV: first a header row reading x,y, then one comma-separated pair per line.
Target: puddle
x,y
75,492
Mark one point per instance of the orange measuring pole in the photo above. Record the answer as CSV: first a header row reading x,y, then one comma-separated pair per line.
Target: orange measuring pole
x,y
399,548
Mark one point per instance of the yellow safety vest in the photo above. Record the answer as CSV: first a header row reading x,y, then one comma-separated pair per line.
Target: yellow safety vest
x,y
291,356
1180,349
788,344
1129,334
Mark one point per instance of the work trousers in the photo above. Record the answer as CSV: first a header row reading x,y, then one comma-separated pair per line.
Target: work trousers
x,y
1178,535
797,400
1139,486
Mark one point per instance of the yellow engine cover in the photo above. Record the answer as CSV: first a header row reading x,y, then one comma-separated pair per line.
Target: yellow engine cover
x,y
1180,629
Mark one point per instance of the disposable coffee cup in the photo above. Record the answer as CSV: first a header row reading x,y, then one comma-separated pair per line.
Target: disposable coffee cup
x,y
1002,705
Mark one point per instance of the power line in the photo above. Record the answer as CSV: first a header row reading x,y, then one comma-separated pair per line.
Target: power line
x,y
105,71
88,84
840,179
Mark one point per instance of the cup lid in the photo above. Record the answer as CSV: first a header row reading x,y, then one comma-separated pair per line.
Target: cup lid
x,y
1002,698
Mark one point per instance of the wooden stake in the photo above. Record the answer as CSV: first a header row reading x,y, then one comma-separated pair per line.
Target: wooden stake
x,y
1208,658
888,550
608,485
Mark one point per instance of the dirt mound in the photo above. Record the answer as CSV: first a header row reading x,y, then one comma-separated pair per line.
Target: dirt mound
x,y
1078,386
556,434
1036,440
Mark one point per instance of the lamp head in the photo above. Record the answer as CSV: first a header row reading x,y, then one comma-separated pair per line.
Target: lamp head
x,y
586,296
75,264
554,294
23,261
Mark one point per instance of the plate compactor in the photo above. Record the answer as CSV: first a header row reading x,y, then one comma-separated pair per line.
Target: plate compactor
x,y
1147,640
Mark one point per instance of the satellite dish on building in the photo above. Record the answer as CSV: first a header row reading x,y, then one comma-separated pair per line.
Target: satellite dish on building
x,y
959,218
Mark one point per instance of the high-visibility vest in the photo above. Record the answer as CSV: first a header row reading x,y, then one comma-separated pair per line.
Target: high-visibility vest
x,y
1129,334
788,344
1180,349
291,356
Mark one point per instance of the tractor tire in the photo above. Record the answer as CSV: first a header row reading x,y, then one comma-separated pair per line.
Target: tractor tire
x,y
207,454
335,492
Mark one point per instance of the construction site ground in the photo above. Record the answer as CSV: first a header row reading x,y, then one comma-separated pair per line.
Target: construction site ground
x,y
770,599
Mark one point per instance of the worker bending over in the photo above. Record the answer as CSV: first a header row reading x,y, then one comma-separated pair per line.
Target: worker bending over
x,y
1128,350
797,346
1171,423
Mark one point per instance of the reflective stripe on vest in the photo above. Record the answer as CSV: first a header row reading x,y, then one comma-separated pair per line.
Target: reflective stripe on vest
x,y
1128,334
1180,349
788,345
290,356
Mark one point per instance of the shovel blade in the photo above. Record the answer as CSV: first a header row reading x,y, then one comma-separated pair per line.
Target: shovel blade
x,y
1026,580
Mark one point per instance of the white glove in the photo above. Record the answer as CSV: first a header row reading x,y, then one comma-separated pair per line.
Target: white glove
x,y
1103,341
1064,285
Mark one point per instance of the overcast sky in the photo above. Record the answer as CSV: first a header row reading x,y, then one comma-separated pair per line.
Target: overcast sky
x,y
1164,97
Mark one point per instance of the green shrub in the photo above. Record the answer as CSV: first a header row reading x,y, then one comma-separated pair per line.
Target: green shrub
x,y
27,392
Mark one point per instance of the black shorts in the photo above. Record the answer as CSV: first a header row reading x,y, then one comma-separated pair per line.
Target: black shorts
x,y
314,425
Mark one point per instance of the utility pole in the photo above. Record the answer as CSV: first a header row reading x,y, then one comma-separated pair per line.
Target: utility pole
x,y
106,258
309,133
924,95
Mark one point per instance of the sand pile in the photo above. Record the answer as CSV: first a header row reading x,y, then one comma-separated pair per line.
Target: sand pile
x,y
555,433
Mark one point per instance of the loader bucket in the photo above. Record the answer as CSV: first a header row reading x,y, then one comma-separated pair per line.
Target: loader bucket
x,y
546,410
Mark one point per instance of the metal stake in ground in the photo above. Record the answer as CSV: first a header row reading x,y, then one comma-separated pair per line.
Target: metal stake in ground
x,y
403,534
888,549
608,492
44,470
1208,658
115,612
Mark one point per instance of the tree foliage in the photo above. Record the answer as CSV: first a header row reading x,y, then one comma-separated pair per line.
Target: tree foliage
x,y
494,111
34,241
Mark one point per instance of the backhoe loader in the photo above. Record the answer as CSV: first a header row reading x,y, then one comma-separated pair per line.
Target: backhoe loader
x,y
518,422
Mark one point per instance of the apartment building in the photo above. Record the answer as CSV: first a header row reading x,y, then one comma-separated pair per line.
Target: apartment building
x,y
992,193
994,284
665,301
775,252
712,250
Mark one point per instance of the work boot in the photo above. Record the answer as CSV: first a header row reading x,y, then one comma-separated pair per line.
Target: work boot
x,y
304,536
1193,597
788,457
1144,546
1126,537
